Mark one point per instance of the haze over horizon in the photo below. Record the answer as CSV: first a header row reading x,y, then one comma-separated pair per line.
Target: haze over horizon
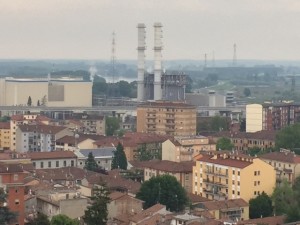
x,y
82,29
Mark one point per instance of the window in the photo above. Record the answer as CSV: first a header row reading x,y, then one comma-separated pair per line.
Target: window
x,y
34,164
16,177
65,163
238,193
258,172
255,173
254,183
238,173
16,190
233,172
72,162
233,192
57,164
17,202
258,182
233,182
42,165
254,192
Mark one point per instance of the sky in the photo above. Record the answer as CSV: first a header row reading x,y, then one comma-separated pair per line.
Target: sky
x,y
82,29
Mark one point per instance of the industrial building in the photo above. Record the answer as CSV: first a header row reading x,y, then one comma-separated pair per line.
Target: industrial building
x,y
158,85
65,91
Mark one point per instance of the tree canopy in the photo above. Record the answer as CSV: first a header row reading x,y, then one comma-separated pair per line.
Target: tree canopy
x,y
247,92
218,123
224,144
288,137
29,101
97,212
119,159
6,216
112,125
261,206
165,190
61,219
143,154
91,163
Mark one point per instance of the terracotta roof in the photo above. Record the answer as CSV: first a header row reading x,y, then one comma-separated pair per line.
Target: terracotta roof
x,y
144,214
226,161
4,125
274,220
232,203
115,195
46,129
260,135
288,157
11,168
82,137
51,155
166,104
42,118
168,166
196,198
17,117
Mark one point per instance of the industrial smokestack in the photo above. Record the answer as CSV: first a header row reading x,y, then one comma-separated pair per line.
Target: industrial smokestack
x,y
157,61
141,61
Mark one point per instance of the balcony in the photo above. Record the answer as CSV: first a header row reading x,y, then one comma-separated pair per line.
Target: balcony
x,y
151,116
151,122
211,182
216,173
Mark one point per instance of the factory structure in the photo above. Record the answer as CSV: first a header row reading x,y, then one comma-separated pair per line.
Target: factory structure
x,y
158,85
59,92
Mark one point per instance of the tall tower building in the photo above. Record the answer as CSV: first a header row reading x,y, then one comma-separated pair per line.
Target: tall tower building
x,y
157,61
141,61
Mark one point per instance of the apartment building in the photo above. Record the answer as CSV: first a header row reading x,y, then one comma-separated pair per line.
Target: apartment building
x,y
170,118
55,159
184,148
286,164
40,138
243,141
4,135
223,176
12,180
17,120
271,116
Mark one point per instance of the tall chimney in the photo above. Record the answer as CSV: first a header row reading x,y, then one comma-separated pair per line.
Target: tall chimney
x,y
141,61
157,61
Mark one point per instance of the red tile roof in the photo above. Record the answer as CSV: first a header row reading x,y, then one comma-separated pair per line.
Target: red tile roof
x,y
165,165
288,157
51,155
274,220
17,117
144,214
11,168
4,125
82,137
46,129
225,204
225,160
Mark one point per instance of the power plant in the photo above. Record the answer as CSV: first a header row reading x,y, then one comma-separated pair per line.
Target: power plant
x,y
157,85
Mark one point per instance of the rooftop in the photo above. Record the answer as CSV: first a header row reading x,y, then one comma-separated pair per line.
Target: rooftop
x,y
226,204
289,157
46,129
51,155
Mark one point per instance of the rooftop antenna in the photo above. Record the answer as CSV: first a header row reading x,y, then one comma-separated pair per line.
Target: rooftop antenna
x,y
234,55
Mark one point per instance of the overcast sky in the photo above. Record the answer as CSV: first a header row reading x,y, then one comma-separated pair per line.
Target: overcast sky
x,y
82,29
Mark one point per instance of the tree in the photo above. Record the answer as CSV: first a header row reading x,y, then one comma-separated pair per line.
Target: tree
x,y
224,144
29,101
63,220
218,123
288,137
261,206
6,216
44,100
112,125
91,163
97,212
40,219
38,103
247,92
119,159
143,154
255,151
165,190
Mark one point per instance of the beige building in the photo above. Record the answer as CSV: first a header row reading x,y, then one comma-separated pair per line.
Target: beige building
x,y
171,118
4,135
222,176
254,117
184,148
66,92
286,164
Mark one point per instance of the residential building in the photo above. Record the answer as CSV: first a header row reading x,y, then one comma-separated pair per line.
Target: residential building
x,y
233,209
243,141
12,180
182,171
4,135
170,118
271,220
77,141
123,204
55,159
103,157
221,176
271,116
40,138
19,119
286,164
64,201
184,148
